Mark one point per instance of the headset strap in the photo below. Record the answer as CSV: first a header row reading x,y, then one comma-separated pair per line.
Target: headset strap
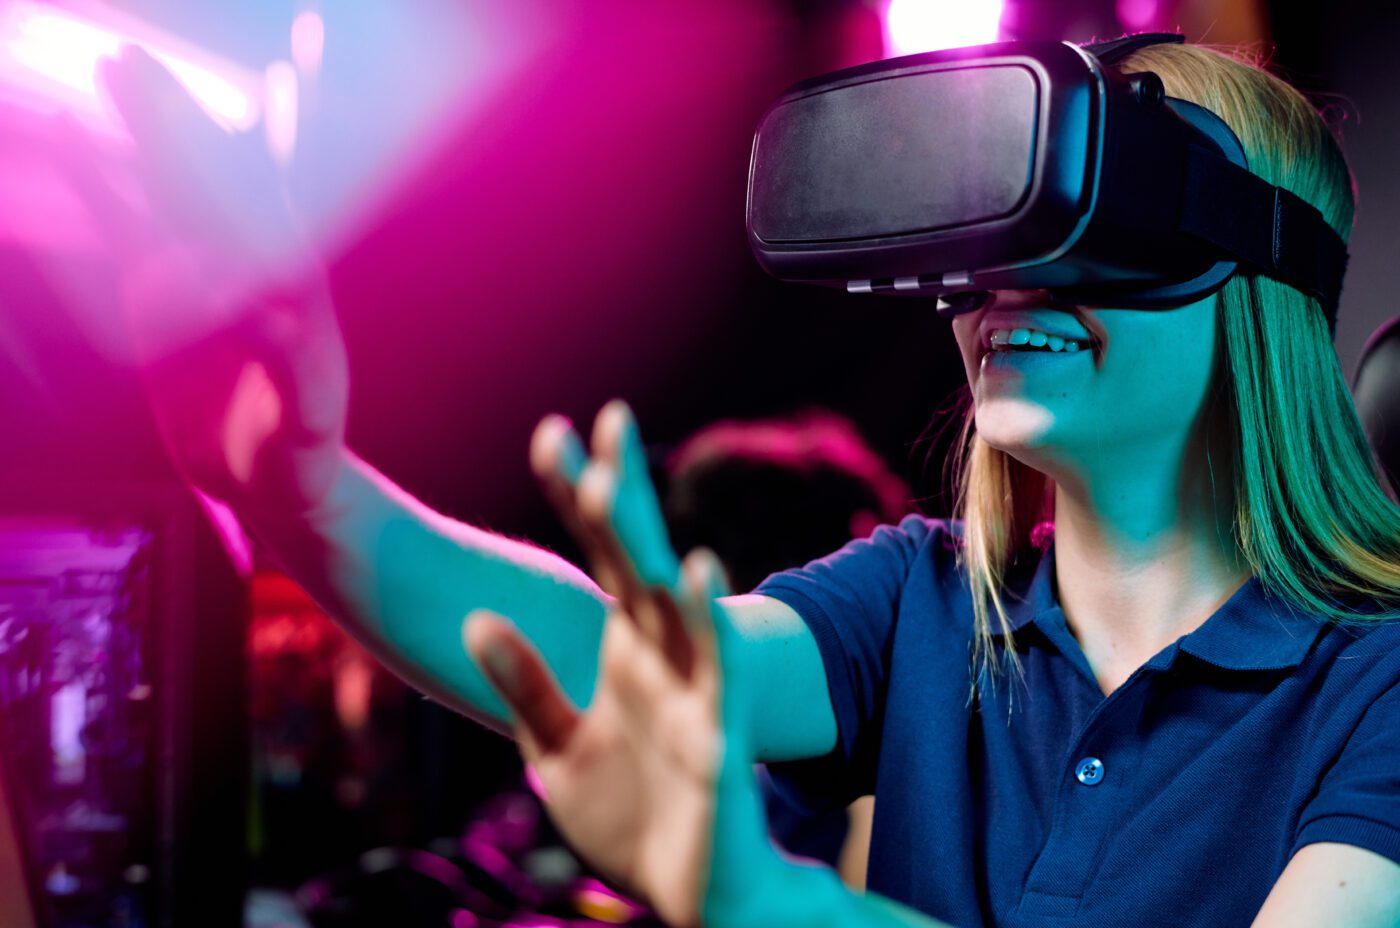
x,y
1266,227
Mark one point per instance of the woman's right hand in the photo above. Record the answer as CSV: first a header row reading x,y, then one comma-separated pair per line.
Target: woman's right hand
x,y
228,307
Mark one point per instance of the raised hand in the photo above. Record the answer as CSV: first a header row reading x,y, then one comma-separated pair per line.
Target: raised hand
x,y
635,781
228,308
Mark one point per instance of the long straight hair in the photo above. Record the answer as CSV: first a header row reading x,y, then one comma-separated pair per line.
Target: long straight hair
x,y
1311,518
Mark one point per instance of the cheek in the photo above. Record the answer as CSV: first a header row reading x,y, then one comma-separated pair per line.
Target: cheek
x,y
1162,382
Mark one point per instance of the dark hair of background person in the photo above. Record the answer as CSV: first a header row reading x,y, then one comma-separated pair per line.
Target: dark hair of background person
x,y
770,494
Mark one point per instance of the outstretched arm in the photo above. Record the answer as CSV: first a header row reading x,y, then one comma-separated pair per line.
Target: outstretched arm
x,y
246,372
400,577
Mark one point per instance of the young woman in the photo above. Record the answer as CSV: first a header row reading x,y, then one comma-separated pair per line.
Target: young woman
x,y
1177,707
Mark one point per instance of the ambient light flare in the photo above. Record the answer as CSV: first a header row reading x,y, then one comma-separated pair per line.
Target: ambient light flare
x,y
51,57
913,26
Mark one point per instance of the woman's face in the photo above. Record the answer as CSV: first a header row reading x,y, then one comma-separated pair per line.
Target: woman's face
x,y
1131,392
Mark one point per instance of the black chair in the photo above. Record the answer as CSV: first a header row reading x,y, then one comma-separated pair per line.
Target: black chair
x,y
1377,393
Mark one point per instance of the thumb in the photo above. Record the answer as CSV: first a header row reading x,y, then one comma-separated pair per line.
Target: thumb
x,y
544,717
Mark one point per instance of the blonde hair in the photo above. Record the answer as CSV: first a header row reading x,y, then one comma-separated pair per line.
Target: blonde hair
x,y
1326,546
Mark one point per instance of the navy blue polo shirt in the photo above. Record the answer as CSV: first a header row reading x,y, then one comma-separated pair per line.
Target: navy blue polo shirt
x,y
1176,800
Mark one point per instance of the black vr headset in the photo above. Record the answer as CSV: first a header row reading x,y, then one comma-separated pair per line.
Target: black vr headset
x,y
1021,165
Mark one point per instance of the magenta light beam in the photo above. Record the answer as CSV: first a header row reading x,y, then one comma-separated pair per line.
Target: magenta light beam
x,y
51,56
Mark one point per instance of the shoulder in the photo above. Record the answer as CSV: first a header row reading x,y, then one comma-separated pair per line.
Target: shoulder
x,y
914,539
923,531
872,575
1367,645
1340,670
918,545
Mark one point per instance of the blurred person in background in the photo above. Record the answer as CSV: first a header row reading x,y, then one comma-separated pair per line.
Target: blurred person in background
x,y
772,494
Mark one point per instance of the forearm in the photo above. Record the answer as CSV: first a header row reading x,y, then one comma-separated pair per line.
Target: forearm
x,y
401,578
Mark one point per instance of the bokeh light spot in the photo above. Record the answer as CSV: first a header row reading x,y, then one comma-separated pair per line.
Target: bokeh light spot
x,y
913,26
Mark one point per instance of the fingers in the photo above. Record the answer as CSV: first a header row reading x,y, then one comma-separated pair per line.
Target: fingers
x,y
171,130
618,505
616,558
559,462
544,717
610,506
145,93
635,516
219,188
557,459
703,585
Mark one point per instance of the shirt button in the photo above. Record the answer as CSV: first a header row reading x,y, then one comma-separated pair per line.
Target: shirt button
x,y
1089,771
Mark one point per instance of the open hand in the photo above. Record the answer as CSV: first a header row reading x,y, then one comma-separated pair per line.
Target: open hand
x,y
644,782
228,308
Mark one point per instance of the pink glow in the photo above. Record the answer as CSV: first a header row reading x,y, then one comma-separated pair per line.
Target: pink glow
x,y
229,531
68,710
532,780
63,49
1138,14
308,41
913,26
254,415
353,690
60,47
280,111
225,102
38,207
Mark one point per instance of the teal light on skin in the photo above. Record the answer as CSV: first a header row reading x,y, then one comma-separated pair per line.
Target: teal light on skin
x,y
634,511
1142,508
654,782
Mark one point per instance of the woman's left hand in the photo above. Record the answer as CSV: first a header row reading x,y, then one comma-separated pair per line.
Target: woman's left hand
x,y
653,782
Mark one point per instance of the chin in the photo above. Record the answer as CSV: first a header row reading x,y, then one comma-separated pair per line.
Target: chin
x,y
1019,428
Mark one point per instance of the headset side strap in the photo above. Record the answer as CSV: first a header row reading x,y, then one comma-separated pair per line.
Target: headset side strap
x,y
1266,227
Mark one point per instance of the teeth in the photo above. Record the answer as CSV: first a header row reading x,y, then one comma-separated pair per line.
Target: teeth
x,y
1002,339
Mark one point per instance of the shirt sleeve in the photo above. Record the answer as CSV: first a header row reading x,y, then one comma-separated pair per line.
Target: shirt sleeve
x,y
1358,799
850,602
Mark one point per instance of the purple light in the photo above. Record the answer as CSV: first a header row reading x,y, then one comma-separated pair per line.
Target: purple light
x,y
53,54
69,714
59,47
532,780
224,101
280,110
1138,14
913,26
308,41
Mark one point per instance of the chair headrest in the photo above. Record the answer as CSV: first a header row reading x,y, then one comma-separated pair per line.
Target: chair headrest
x,y
1377,393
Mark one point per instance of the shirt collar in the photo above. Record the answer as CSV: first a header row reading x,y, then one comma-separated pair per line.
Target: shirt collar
x,y
1252,630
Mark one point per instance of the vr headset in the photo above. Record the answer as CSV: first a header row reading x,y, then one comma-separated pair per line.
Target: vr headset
x,y
1021,165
